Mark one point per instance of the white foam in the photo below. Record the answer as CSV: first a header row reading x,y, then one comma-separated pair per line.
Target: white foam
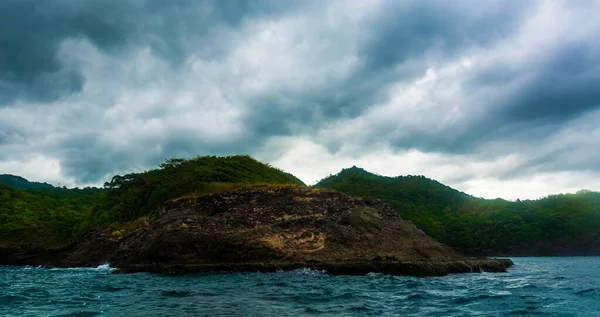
x,y
105,267
308,271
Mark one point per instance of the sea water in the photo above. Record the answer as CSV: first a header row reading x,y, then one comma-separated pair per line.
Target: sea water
x,y
565,286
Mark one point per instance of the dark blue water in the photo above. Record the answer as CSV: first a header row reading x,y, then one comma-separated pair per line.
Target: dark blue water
x,y
535,286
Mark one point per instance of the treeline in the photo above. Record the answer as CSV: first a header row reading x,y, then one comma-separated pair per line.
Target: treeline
x,y
40,214
44,216
134,195
558,224
19,182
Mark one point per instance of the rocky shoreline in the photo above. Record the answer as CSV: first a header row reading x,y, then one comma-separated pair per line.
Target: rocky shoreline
x,y
267,228
414,268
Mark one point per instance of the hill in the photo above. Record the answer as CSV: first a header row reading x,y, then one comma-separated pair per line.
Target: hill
x,y
555,225
47,216
135,195
21,183
422,200
267,228
275,227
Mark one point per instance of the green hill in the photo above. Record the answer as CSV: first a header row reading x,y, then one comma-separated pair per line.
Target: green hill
x,y
559,224
20,182
44,216
135,195
38,214
422,200
51,216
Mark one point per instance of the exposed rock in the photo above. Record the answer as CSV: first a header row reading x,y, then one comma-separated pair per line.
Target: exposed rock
x,y
366,219
90,251
268,228
264,228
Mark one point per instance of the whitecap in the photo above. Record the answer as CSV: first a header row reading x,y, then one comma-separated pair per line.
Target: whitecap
x,y
308,271
105,267
375,274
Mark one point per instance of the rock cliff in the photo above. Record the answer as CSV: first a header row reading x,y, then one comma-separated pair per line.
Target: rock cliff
x,y
269,228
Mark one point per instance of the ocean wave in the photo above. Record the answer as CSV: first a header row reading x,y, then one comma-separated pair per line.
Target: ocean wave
x,y
105,267
32,291
177,293
307,271
102,267
11,299
588,292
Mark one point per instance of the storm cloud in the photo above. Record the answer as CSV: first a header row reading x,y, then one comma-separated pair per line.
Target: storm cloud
x,y
496,99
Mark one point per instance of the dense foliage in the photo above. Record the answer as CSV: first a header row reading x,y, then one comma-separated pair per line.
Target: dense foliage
x,y
49,215
45,216
40,214
138,194
559,224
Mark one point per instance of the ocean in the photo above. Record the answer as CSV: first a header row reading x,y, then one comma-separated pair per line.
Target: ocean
x,y
544,286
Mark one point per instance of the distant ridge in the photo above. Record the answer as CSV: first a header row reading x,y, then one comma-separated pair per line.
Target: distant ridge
x,y
565,224
40,214
417,198
19,182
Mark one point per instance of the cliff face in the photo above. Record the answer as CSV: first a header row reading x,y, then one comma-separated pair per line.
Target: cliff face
x,y
267,228
90,251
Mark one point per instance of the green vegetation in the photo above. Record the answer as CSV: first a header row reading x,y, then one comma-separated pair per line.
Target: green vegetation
x,y
552,225
44,216
20,182
134,195
39,214
32,213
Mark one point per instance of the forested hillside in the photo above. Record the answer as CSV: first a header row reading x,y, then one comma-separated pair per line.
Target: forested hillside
x,y
50,216
134,195
20,182
38,215
44,216
558,224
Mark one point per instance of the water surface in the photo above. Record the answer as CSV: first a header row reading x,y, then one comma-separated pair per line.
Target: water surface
x,y
567,286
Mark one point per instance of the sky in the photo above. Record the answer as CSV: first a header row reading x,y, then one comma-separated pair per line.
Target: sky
x,y
494,98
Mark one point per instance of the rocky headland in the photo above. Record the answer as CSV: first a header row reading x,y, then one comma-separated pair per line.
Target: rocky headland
x,y
268,228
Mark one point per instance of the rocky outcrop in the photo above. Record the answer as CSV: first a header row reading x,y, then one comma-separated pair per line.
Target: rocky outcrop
x,y
269,228
90,251
264,228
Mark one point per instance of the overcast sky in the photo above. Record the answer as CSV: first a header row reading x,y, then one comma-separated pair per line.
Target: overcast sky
x,y
494,98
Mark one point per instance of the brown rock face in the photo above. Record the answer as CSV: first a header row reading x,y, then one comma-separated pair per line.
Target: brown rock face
x,y
94,249
267,228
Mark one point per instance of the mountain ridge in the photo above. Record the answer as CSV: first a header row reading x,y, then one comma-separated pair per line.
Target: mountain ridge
x,y
555,225
561,224
20,182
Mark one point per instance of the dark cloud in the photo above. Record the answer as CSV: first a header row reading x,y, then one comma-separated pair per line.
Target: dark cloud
x,y
31,33
400,43
187,78
408,30
30,36
92,157
9,136
285,114
541,95
566,85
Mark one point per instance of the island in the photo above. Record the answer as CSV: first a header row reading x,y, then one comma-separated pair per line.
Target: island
x,y
270,228
214,214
